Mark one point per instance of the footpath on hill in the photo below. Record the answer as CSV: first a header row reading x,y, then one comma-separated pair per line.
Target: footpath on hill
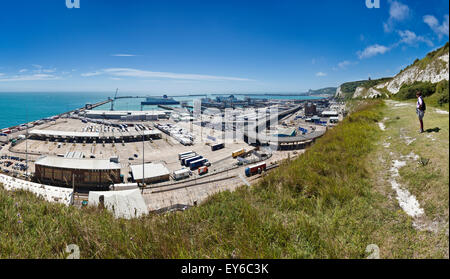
x,y
410,171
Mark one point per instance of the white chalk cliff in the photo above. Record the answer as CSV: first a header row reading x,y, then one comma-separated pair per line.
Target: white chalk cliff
x,y
433,68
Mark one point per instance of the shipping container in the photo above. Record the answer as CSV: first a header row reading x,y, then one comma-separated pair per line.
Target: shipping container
x,y
188,161
185,154
197,163
181,174
258,168
217,146
238,153
184,158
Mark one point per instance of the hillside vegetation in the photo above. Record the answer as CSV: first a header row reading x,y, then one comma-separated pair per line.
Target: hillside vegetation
x,y
436,94
430,58
349,88
321,205
323,91
430,74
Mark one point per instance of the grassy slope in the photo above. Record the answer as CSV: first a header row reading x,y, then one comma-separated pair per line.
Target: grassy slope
x,y
349,88
322,205
431,57
428,183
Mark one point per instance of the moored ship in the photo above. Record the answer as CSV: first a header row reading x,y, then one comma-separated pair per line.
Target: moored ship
x,y
164,100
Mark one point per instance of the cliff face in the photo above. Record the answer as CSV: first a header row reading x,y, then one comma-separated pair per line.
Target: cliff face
x,y
362,92
339,93
434,72
432,68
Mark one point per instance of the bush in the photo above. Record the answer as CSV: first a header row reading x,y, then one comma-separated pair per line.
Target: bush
x,y
442,92
409,91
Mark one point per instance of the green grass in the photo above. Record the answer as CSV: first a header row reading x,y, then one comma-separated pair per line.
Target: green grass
x,y
430,58
349,88
427,182
434,94
321,205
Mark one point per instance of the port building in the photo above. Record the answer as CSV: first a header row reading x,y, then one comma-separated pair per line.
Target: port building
x,y
94,136
128,115
150,173
330,113
84,173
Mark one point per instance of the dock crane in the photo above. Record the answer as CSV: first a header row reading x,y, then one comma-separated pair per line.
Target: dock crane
x,y
115,97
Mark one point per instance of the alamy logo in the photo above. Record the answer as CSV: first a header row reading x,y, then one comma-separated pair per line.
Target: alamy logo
x,y
70,4
370,4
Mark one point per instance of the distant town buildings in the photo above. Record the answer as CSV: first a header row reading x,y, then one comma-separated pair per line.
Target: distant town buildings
x,y
310,109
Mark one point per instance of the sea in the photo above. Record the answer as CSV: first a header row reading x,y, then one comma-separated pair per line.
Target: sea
x,y
20,108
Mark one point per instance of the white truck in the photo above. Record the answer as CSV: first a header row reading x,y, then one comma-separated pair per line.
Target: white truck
x,y
181,174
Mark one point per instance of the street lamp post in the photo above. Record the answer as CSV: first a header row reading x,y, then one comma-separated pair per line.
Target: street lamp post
x,y
26,147
143,161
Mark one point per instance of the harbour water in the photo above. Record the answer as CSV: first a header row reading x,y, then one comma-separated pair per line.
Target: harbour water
x,y
19,108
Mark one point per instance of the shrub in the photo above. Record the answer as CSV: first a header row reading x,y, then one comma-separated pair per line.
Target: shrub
x,y
408,91
442,92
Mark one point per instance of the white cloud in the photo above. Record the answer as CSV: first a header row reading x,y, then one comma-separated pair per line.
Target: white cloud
x,y
29,77
91,74
48,71
123,55
39,69
1,74
23,70
410,38
407,37
128,72
397,12
373,51
344,64
321,74
440,29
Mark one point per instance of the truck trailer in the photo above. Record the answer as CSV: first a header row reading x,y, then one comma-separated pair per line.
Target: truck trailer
x,y
198,163
188,161
238,153
184,154
217,146
181,174
255,169
184,158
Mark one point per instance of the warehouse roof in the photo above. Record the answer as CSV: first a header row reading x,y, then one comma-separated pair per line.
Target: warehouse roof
x,y
63,133
75,163
150,171
330,112
125,113
91,134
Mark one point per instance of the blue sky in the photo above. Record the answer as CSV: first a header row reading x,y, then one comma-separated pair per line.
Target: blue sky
x,y
181,47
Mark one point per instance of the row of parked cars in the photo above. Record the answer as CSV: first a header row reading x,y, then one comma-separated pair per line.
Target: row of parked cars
x,y
14,158
17,166
8,162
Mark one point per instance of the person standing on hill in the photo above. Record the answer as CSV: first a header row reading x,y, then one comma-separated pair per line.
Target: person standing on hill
x,y
420,109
